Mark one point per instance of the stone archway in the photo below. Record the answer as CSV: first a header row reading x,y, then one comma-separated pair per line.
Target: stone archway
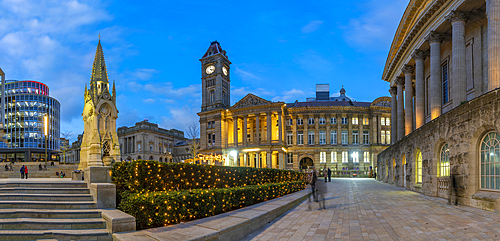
x,y
305,163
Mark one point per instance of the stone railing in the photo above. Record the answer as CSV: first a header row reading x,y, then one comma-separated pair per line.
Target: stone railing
x,y
443,186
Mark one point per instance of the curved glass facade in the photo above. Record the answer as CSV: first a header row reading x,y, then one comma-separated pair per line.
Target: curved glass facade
x,y
27,102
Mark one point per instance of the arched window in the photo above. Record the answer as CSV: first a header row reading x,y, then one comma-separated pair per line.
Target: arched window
x,y
444,161
393,169
490,163
418,166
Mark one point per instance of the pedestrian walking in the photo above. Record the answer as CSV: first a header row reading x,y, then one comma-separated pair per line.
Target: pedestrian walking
x,y
312,179
452,189
321,190
22,172
26,172
325,174
329,175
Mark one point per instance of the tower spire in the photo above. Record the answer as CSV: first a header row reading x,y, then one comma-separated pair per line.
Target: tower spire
x,y
99,71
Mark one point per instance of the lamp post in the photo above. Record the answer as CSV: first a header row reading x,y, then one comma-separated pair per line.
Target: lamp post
x,y
46,131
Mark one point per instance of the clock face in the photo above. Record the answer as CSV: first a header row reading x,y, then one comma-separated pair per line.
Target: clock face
x,y
210,69
224,70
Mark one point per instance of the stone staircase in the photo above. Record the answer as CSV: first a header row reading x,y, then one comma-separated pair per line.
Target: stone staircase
x,y
33,171
58,209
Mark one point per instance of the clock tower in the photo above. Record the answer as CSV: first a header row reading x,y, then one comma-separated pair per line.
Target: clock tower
x,y
215,78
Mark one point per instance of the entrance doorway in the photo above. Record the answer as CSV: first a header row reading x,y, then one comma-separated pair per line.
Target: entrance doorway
x,y
305,163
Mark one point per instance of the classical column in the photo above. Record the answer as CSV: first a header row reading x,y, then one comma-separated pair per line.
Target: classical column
x,y
394,114
493,15
269,127
257,154
269,160
401,118
459,73
408,71
419,57
294,130
245,126
435,40
281,160
280,129
257,129
235,131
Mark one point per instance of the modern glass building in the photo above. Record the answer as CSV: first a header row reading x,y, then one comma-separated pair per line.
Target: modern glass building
x,y
26,104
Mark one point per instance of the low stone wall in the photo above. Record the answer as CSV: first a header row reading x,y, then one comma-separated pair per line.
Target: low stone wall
x,y
462,129
233,225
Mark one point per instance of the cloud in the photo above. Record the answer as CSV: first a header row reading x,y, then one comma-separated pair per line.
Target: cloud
x,y
311,26
375,28
167,89
291,96
149,101
145,74
245,75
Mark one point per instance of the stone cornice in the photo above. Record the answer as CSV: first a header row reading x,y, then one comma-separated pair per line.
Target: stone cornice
x,y
417,15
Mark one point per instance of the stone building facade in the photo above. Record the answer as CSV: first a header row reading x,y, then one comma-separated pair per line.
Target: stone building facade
x,y
325,131
147,141
445,59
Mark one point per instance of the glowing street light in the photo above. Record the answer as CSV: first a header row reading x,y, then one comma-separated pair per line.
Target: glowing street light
x,y
46,132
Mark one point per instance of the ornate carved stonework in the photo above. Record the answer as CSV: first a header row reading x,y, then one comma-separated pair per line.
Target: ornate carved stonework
x,y
420,54
434,37
408,69
393,91
400,81
455,16
250,100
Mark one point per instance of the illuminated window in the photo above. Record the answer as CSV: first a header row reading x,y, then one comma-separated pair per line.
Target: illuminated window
x,y
388,137
382,137
444,161
322,157
355,120
334,156
366,157
289,159
382,121
345,157
366,121
355,157
490,163
418,166
387,121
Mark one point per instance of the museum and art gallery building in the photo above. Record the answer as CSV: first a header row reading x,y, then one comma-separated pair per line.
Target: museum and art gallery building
x,y
335,132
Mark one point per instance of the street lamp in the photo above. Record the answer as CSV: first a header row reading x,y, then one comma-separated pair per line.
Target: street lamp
x,y
46,131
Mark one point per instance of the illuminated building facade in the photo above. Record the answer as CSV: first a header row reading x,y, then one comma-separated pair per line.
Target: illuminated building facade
x,y
26,103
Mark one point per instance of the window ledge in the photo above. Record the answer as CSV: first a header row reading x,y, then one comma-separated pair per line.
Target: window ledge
x,y
490,196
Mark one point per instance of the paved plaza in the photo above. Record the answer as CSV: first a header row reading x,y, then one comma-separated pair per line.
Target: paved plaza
x,y
365,209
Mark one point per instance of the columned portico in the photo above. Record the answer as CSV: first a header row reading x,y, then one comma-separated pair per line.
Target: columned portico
x,y
459,73
435,40
408,71
419,57
401,118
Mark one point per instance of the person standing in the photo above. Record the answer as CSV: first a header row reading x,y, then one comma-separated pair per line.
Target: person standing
x,y
26,172
325,173
313,177
321,190
22,172
329,175
452,189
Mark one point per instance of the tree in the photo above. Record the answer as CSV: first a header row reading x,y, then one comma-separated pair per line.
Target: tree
x,y
193,133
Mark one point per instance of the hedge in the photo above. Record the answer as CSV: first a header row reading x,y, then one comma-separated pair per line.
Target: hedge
x,y
157,209
149,176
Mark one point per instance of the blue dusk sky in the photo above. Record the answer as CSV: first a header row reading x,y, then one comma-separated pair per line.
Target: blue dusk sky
x,y
279,50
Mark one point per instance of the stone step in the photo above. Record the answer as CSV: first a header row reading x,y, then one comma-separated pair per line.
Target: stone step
x,y
83,234
45,197
47,204
44,224
42,213
38,184
54,190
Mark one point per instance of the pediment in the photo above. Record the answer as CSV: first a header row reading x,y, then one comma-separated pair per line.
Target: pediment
x,y
249,101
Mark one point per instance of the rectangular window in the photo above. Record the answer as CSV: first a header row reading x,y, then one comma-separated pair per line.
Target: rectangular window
x,y
355,120
355,137
344,137
445,82
366,121
333,120
382,137
427,95
382,121
333,137
366,157
209,138
322,137
333,157
289,158
345,157
289,138
311,137
344,120
311,121
213,139
300,121
388,137
289,122
322,121
366,137
322,157
387,121
209,125
300,138
355,157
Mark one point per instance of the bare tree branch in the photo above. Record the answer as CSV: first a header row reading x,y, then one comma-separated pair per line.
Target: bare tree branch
x,y
193,133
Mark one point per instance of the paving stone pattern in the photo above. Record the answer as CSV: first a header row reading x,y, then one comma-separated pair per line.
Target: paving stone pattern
x,y
365,209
